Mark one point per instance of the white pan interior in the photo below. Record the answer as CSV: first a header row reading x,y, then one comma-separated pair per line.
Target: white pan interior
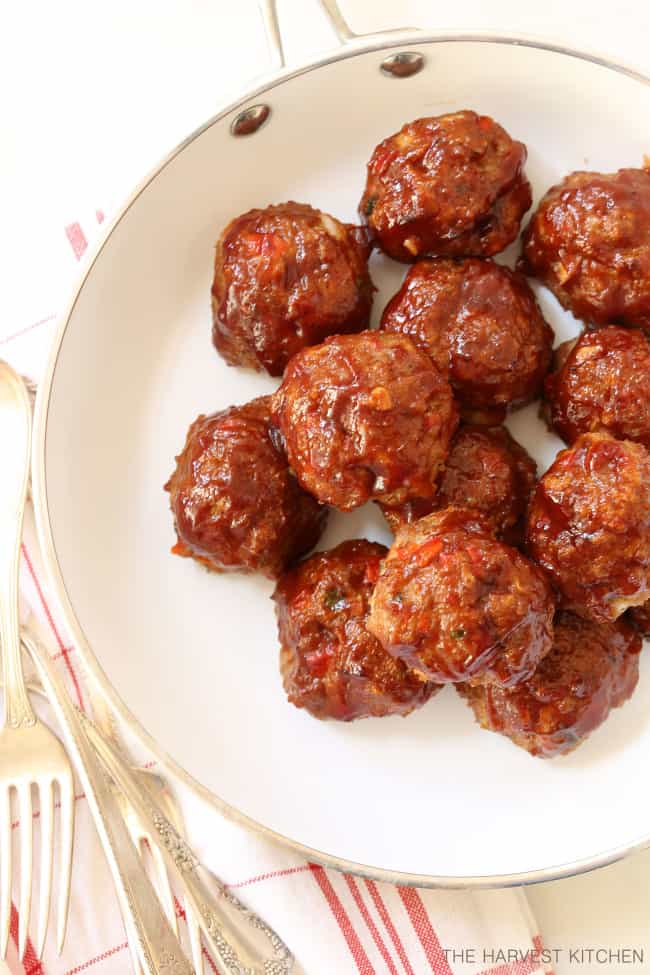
x,y
194,655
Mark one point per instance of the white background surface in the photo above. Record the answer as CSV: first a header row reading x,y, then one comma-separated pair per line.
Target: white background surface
x,y
94,94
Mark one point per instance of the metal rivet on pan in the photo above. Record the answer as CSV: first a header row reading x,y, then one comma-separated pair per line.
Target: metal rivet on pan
x,y
250,120
403,65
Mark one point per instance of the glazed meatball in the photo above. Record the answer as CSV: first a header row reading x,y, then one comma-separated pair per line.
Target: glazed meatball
x,y
592,668
448,186
235,503
486,470
330,663
589,241
481,325
588,525
365,417
602,385
284,278
456,604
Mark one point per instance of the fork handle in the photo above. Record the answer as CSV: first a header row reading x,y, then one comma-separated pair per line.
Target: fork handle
x,y
15,442
159,949
238,937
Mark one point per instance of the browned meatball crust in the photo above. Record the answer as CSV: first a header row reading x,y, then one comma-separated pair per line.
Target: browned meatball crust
x,y
330,664
365,417
592,668
284,278
447,186
588,525
602,385
486,470
589,241
236,504
480,323
456,604
639,616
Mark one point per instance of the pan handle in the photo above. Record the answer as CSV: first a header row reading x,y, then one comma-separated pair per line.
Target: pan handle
x,y
337,21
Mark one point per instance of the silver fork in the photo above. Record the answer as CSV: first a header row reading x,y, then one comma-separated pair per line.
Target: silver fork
x,y
239,938
143,840
149,934
140,835
30,755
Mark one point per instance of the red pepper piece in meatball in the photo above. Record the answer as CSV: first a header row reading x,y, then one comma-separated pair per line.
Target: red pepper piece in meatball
x,y
486,470
448,186
365,417
601,385
588,525
330,664
589,242
592,668
236,504
481,325
284,278
457,605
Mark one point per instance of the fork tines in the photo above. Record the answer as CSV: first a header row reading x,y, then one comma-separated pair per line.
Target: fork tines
x,y
44,788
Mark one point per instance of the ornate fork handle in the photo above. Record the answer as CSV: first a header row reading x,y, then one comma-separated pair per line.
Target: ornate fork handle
x,y
243,942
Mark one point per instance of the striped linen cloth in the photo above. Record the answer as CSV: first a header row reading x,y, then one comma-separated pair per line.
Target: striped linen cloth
x,y
334,923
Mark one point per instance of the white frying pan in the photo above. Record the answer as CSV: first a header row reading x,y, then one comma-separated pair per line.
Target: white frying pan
x,y
189,659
